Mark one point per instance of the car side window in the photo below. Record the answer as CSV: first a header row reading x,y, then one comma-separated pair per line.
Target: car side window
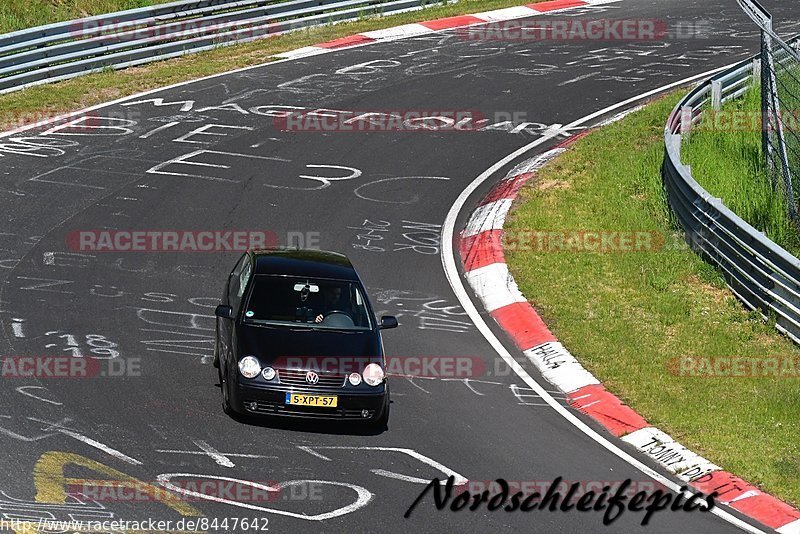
x,y
244,277
234,292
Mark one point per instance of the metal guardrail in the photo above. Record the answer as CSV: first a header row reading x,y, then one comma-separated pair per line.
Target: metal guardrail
x,y
123,39
759,272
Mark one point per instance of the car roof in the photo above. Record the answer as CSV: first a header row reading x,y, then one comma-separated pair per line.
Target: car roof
x,y
304,262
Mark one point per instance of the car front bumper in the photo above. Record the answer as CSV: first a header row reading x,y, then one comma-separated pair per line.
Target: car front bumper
x,y
361,406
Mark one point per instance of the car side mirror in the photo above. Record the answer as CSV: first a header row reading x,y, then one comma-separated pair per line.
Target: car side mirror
x,y
224,312
388,321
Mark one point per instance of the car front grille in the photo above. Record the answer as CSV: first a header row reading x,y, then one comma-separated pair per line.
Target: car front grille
x,y
297,378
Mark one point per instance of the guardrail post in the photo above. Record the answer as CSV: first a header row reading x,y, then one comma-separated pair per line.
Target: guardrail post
x,y
756,71
763,275
686,121
716,95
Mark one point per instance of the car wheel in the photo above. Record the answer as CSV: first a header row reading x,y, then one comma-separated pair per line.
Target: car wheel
x,y
382,421
226,401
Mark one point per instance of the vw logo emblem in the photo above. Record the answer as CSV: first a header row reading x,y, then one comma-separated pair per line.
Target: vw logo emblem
x,y
312,377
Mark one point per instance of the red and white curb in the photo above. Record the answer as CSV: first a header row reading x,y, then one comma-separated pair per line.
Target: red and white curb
x,y
433,26
481,251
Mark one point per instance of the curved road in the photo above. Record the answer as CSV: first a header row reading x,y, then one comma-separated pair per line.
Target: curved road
x,y
210,157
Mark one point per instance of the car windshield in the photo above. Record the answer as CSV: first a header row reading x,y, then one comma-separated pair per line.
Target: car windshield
x,y
307,303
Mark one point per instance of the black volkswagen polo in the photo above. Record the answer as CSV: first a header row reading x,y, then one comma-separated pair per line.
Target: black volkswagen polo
x,y
297,337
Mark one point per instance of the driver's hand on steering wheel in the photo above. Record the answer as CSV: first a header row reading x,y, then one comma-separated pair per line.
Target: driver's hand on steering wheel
x,y
318,318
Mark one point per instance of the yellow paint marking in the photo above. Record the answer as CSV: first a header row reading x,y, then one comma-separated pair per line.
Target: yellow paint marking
x,y
51,482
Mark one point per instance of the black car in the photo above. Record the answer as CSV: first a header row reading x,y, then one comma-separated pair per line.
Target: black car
x,y
297,337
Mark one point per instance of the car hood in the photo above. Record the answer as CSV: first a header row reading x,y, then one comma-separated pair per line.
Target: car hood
x,y
278,346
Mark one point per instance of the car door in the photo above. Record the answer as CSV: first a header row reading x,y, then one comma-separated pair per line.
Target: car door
x,y
225,327
237,290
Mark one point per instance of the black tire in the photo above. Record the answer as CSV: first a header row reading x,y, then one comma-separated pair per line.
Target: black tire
x,y
226,401
382,421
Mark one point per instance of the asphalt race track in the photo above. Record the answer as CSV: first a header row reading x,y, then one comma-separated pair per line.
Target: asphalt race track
x,y
153,170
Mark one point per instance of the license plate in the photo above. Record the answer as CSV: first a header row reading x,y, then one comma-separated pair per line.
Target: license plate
x,y
311,400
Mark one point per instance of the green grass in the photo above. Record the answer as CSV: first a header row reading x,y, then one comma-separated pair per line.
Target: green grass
x,y
728,163
28,106
626,315
20,14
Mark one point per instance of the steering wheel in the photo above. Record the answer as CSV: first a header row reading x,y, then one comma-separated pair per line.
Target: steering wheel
x,y
337,318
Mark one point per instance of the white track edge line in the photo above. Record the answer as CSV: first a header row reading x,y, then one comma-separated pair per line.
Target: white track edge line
x,y
451,272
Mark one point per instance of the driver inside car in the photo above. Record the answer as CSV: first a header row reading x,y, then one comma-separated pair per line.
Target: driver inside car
x,y
333,300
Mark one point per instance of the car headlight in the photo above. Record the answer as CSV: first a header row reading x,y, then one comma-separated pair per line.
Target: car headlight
x,y
354,378
268,373
373,374
249,367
